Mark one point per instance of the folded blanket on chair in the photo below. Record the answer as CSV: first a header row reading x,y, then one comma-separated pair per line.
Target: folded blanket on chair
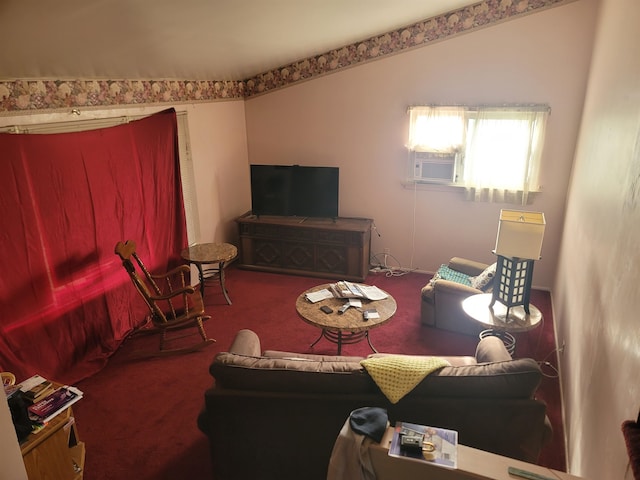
x,y
397,375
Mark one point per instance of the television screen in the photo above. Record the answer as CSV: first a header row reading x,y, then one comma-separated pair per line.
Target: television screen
x,y
294,190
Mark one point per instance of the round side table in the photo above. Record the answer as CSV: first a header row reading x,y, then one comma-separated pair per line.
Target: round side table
x,y
210,259
495,318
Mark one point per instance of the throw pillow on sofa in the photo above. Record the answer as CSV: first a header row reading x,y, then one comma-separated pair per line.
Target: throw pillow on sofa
x,y
446,273
484,281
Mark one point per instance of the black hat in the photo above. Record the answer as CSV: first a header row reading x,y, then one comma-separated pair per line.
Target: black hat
x,y
369,421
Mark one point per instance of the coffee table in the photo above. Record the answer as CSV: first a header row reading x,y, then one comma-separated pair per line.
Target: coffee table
x,y
348,327
210,259
495,318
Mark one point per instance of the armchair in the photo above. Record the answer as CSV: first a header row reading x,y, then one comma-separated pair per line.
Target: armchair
x,y
441,299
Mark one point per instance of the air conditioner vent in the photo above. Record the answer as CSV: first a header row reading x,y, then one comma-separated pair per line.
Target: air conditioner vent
x,y
434,166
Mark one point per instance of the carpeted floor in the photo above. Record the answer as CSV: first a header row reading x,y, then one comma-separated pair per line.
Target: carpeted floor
x,y
138,415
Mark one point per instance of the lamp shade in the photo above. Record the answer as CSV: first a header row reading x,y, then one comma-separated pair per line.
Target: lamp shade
x,y
520,234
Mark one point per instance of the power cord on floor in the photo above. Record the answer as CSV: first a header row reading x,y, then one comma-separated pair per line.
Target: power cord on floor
x,y
545,363
380,264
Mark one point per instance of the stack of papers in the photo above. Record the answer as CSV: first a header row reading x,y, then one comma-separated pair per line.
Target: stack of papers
x,y
314,297
346,289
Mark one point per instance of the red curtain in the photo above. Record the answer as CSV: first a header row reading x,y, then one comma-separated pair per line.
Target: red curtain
x,y
66,200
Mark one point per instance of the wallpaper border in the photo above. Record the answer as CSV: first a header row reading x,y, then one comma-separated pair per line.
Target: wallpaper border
x,y
37,95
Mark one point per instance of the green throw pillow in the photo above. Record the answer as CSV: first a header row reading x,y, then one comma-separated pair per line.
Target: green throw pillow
x,y
446,273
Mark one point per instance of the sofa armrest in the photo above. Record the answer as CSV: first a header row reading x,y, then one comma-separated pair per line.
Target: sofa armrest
x,y
448,287
491,349
246,342
468,267
447,306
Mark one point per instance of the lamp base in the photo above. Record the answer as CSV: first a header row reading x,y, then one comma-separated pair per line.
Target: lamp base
x,y
513,283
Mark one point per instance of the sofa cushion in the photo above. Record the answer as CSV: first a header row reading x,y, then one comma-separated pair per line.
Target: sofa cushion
x,y
310,356
397,375
484,281
290,373
491,349
466,378
511,379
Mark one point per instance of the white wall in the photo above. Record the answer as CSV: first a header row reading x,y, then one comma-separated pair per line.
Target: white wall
x,y
356,119
596,299
219,148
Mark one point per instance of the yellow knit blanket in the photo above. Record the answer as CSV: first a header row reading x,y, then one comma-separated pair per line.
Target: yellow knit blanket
x,y
397,375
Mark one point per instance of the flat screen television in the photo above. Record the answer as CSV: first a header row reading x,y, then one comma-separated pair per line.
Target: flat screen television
x,y
294,190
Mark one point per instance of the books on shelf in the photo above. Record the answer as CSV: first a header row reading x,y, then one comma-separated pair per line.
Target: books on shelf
x,y
57,401
35,388
346,289
431,444
46,399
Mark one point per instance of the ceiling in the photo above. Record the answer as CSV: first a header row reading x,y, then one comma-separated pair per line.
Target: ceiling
x,y
188,39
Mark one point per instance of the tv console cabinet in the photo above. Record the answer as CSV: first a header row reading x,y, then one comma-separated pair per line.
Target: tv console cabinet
x,y
316,247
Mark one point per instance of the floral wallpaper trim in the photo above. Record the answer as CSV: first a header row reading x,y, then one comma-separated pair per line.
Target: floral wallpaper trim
x,y
419,34
36,95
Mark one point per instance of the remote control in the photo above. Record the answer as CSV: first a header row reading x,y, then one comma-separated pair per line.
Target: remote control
x,y
518,472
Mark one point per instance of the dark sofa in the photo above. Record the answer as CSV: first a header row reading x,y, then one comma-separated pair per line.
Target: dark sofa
x,y
276,415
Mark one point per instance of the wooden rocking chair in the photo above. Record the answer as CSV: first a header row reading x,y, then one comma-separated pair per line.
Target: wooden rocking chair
x,y
173,303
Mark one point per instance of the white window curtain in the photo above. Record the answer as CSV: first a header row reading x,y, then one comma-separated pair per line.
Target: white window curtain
x,y
502,153
436,129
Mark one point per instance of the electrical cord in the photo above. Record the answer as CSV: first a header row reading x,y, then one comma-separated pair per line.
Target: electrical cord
x,y
383,266
545,363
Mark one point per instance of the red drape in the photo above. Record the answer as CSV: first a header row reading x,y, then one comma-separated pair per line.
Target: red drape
x,y
66,199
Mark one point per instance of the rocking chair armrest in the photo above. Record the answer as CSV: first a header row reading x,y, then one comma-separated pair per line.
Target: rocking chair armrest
x,y
180,269
189,290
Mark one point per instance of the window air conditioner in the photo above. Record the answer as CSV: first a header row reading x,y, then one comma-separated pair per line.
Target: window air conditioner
x,y
434,167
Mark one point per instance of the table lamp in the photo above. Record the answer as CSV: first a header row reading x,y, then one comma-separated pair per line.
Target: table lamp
x,y
518,244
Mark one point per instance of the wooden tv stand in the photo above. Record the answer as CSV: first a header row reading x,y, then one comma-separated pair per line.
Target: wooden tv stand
x,y
316,247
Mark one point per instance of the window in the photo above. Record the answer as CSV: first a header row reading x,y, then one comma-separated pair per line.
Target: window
x,y
484,149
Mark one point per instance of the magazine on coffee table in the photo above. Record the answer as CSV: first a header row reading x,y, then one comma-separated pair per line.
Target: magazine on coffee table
x,y
430,444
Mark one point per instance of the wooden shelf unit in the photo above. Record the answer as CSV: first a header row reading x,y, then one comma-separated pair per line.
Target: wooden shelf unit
x,y
317,247
55,452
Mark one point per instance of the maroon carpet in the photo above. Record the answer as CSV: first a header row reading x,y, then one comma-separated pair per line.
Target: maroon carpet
x,y
138,416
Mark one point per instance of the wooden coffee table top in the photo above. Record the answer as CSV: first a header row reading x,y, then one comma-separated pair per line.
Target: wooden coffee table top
x,y
349,321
